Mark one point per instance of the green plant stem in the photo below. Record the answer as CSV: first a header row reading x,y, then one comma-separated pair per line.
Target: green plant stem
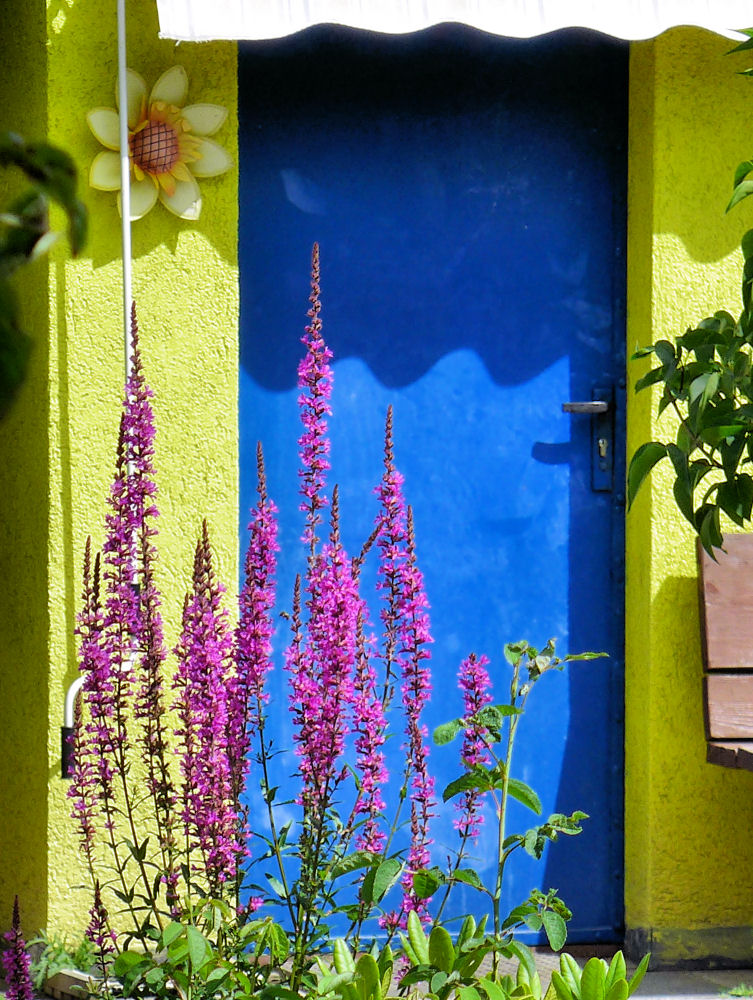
x,y
264,761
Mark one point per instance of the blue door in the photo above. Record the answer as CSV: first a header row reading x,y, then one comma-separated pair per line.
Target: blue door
x,y
467,193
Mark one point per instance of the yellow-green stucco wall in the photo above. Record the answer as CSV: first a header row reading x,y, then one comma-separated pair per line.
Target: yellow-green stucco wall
x,y
57,447
689,849
688,842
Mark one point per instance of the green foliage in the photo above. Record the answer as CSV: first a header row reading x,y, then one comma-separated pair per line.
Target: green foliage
x,y
706,379
499,724
223,959
597,980
55,954
444,968
25,235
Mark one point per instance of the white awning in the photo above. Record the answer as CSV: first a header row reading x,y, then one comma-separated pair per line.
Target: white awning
x,y
202,20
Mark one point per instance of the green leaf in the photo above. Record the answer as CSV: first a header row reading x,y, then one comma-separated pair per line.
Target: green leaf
x,y
173,930
276,885
617,991
385,876
593,980
469,877
524,794
642,462
617,970
707,520
342,957
427,881
477,779
649,379
441,949
367,979
742,190
417,938
562,988
639,973
447,731
715,434
556,929
353,862
199,948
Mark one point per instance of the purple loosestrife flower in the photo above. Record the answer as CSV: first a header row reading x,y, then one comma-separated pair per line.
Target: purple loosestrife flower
x,y
253,637
93,770
414,637
98,930
474,682
392,538
369,724
204,656
315,384
321,661
16,962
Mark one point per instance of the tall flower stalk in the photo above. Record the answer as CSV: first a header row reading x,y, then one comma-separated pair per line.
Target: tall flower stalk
x,y
16,961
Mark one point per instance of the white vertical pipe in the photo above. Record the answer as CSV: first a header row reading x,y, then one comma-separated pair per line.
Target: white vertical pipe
x,y
125,184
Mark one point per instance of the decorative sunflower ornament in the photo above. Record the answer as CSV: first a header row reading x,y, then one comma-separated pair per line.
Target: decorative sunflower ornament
x,y
168,145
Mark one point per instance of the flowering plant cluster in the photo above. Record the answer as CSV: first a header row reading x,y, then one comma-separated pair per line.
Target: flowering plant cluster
x,y
166,743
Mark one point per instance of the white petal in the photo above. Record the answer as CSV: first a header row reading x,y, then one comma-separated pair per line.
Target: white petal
x,y
186,200
143,198
213,160
205,119
172,87
104,173
136,91
105,126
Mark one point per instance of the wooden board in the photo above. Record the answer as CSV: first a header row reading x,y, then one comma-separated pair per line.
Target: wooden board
x,y
729,706
727,604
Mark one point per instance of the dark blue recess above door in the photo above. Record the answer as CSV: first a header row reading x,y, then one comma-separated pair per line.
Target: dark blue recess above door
x,y
467,193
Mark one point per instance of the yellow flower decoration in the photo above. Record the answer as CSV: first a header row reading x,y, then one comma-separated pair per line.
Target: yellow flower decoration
x,y
168,145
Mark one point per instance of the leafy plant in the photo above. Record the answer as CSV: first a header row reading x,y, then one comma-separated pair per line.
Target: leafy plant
x,y
488,774
706,378
55,953
25,235
597,980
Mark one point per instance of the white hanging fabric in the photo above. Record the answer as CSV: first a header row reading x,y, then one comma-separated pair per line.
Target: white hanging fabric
x,y
202,20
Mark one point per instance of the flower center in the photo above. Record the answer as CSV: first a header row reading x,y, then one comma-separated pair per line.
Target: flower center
x,y
155,147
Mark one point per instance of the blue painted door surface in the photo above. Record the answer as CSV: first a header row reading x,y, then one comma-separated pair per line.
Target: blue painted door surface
x,y
468,196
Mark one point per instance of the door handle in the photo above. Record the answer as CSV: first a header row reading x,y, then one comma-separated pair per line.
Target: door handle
x,y
600,409
592,406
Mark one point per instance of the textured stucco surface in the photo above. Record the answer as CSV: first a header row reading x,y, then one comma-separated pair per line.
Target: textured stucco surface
x,y
185,286
689,853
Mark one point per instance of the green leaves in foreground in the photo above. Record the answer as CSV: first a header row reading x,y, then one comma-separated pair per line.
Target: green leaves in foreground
x,y
597,980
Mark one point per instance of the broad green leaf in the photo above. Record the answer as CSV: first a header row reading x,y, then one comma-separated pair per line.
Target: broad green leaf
x,y
571,973
173,930
441,950
617,991
469,877
524,794
707,521
447,731
562,988
342,957
477,779
352,862
649,379
367,979
427,881
617,970
492,989
556,929
199,948
593,980
642,462
385,877
417,938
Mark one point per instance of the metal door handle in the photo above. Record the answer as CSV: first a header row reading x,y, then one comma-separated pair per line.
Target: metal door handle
x,y
592,406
